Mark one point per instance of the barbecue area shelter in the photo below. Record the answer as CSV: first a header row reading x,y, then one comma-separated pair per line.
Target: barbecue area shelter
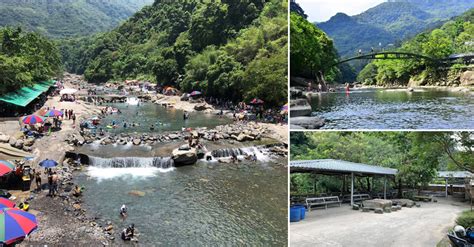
x,y
341,167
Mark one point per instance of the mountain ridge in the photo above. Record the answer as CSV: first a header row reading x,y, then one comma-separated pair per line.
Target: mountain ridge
x,y
67,18
389,23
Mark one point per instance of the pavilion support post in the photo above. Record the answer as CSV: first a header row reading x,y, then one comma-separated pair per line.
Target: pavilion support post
x,y
446,186
352,188
385,187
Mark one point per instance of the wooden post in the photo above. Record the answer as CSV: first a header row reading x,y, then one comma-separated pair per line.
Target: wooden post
x,y
446,187
352,189
385,187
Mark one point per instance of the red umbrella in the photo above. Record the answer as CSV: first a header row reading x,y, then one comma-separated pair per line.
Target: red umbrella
x,y
5,203
32,119
6,167
256,101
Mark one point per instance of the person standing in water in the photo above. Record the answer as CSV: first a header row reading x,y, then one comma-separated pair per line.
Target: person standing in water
x,y
123,212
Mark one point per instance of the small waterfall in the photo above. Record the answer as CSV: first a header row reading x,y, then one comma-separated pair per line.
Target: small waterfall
x,y
133,101
131,162
260,152
227,152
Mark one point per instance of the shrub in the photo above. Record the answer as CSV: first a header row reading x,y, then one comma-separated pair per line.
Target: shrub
x,y
466,219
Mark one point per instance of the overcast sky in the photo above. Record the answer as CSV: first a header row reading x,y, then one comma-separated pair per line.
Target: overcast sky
x,y
322,10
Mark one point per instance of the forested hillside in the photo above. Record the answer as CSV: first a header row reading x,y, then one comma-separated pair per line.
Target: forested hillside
x,y
67,18
26,58
389,23
311,49
454,37
226,49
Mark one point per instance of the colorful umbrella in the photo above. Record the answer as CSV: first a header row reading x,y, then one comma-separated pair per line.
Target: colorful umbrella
x,y
32,119
195,93
15,224
53,113
48,163
6,167
256,101
5,203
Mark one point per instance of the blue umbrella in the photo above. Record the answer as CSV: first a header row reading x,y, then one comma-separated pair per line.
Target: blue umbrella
x,y
47,163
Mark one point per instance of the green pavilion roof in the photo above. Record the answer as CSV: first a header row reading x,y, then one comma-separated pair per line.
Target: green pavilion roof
x,y
24,96
338,167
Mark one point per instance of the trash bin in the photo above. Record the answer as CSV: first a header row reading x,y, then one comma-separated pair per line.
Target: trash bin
x,y
295,213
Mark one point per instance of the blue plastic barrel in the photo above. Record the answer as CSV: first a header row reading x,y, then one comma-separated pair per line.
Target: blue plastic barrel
x,y
295,213
303,212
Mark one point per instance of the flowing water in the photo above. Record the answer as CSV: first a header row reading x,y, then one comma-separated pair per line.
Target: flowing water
x,y
395,109
205,204
144,115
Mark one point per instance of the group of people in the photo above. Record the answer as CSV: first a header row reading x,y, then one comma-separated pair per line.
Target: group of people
x,y
128,233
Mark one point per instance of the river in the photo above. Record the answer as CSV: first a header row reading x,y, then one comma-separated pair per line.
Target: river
x,y
395,109
163,119
204,204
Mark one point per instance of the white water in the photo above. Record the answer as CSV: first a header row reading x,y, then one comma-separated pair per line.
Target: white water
x,y
260,155
135,167
134,172
133,101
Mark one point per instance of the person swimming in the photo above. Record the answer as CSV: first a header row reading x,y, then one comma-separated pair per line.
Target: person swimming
x,y
152,127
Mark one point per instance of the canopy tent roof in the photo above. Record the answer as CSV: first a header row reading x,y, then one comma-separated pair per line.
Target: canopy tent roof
x,y
454,174
331,166
24,96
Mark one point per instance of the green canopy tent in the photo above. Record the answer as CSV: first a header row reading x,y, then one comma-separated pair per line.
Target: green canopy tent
x,y
23,96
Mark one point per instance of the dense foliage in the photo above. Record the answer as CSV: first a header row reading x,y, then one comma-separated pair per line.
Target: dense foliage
x,y
466,219
228,49
26,58
387,24
67,18
416,155
311,49
454,37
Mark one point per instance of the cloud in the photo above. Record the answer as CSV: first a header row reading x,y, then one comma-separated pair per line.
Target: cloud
x,y
322,10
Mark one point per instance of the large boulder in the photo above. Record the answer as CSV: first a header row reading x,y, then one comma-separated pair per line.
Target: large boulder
x,y
377,204
403,202
4,138
185,97
467,78
201,107
295,93
300,111
136,141
184,155
29,142
243,137
307,122
19,144
12,141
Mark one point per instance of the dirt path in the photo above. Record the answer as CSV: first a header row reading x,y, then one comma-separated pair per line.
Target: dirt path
x,y
341,226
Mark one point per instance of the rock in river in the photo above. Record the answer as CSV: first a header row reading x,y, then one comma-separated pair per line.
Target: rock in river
x,y
307,122
184,155
136,193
